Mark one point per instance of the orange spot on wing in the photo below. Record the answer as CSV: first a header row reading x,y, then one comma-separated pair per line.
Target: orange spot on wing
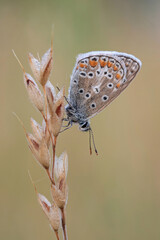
x,y
118,76
77,67
109,64
115,68
82,65
118,85
93,63
102,63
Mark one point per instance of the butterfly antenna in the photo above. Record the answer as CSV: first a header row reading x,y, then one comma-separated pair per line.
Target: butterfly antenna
x,y
90,146
95,149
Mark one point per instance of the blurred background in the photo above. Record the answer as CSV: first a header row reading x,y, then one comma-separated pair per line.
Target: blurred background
x,y
115,196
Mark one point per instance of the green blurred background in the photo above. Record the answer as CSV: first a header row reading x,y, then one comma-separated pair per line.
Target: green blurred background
x,y
115,196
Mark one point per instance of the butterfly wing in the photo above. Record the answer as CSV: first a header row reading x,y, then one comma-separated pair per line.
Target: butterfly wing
x,y
132,65
98,78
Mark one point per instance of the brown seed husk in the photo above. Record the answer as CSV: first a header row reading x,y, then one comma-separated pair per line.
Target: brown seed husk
x,y
61,166
37,130
52,212
44,154
46,67
34,93
46,133
35,66
51,96
60,197
33,145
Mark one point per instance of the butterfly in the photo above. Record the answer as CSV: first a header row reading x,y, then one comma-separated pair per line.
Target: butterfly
x,y
97,79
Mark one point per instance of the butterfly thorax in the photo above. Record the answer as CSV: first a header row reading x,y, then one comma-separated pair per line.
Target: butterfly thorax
x,y
74,117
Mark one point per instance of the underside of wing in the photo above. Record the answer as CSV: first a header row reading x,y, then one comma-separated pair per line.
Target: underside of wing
x,y
98,78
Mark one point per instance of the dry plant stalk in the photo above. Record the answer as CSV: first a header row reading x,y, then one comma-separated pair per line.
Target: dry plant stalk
x,y
44,137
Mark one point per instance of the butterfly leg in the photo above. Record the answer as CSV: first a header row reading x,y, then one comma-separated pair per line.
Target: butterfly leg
x,y
65,119
68,126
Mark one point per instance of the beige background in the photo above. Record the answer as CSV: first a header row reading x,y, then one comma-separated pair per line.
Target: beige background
x,y
115,196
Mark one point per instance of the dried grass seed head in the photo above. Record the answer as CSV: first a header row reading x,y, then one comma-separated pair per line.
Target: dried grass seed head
x,y
35,66
52,212
42,70
57,114
46,133
60,196
44,154
39,150
34,93
61,166
54,125
37,130
33,145
59,104
51,96
59,191
46,66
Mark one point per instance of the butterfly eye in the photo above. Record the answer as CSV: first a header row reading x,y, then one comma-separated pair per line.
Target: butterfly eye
x,y
90,74
93,105
82,74
81,90
110,85
88,95
104,98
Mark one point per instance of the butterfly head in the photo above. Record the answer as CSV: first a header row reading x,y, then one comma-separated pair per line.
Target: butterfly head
x,y
74,117
84,126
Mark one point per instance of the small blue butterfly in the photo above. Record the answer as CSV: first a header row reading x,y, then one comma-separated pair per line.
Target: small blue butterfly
x,y
97,79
